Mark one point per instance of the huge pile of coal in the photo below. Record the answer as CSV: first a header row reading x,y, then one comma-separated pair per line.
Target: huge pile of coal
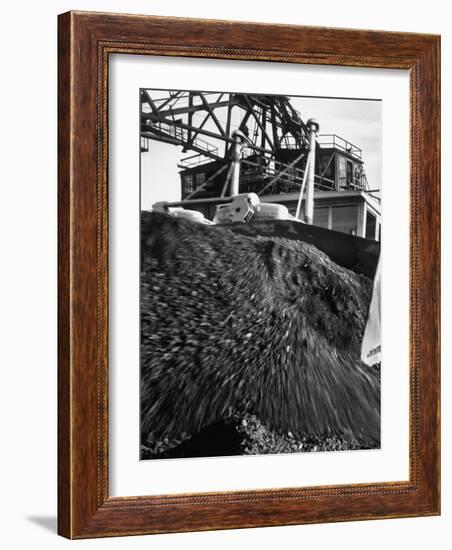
x,y
259,327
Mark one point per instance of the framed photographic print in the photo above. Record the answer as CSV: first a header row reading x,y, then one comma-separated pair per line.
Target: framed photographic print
x,y
248,275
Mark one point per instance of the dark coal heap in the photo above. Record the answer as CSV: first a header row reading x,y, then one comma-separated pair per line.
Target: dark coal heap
x,y
234,328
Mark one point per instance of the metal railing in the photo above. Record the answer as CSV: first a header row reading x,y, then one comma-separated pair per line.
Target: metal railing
x,y
336,142
277,177
180,135
192,161
266,176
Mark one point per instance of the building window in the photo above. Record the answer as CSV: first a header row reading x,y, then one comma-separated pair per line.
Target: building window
x,y
359,176
371,225
188,184
326,164
321,216
200,179
345,219
341,172
349,173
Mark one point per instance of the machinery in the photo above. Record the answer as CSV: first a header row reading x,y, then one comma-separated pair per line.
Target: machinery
x,y
179,212
246,206
235,144
242,208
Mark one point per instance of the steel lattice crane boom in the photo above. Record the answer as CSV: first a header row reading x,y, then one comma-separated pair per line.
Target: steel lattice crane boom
x,y
274,158
172,118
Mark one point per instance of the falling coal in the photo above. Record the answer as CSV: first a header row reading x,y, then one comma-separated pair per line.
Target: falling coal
x,y
237,327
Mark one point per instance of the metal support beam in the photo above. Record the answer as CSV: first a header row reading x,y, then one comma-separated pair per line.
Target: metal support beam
x,y
276,142
171,97
284,171
145,96
210,109
228,127
300,196
209,180
235,162
259,123
191,109
313,128
173,141
190,117
322,175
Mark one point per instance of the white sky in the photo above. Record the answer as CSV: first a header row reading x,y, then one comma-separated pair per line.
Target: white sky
x,y
357,121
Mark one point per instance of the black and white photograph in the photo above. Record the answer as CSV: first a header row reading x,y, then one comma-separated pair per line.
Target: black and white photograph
x,y
260,280
223,247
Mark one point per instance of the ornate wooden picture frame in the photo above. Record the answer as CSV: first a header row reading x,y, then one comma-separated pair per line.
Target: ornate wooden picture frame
x,y
86,40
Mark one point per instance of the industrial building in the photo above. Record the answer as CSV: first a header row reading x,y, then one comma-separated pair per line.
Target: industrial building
x,y
273,157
